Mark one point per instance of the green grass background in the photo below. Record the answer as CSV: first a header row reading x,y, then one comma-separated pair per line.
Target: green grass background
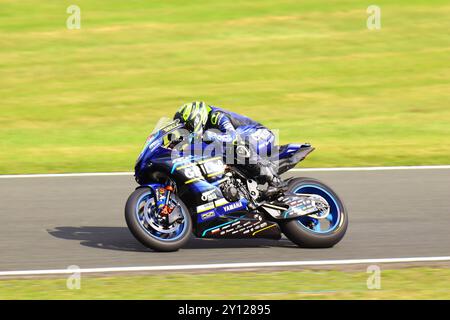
x,y
85,100
412,283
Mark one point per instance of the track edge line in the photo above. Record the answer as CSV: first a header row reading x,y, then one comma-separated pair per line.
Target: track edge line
x,y
223,266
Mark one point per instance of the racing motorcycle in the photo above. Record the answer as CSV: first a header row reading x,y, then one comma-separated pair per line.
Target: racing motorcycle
x,y
194,194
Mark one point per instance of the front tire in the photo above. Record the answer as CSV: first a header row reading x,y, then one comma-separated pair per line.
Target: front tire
x,y
306,232
145,234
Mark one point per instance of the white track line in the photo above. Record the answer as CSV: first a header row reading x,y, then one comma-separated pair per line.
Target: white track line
x,y
372,168
223,266
101,174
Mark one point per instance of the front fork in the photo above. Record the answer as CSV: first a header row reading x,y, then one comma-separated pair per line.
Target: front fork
x,y
166,209
162,194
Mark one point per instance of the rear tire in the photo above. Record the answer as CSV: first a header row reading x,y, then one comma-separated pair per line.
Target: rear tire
x,y
143,236
305,237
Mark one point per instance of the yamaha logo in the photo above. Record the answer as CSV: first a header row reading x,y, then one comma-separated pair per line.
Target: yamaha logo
x,y
233,206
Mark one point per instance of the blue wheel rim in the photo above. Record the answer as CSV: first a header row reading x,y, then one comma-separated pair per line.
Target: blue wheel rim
x,y
333,221
166,237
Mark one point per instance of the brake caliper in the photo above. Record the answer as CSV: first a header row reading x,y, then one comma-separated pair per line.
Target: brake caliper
x,y
166,210
164,206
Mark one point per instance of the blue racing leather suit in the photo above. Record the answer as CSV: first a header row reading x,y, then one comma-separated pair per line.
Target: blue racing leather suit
x,y
227,123
226,126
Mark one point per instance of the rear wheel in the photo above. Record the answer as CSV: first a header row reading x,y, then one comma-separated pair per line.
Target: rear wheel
x,y
319,231
145,223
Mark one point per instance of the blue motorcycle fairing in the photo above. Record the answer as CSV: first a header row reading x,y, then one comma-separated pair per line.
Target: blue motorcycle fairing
x,y
291,154
289,150
241,224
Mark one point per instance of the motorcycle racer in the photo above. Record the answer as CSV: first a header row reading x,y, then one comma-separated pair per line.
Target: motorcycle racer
x,y
220,125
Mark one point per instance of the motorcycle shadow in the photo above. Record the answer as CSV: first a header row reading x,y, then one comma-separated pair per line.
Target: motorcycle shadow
x,y
120,238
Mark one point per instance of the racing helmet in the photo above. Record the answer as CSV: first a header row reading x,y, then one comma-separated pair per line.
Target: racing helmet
x,y
194,116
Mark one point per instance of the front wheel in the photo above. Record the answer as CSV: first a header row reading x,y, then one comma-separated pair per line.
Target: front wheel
x,y
144,222
316,232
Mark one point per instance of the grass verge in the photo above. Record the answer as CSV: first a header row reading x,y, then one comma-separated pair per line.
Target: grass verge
x,y
408,283
84,100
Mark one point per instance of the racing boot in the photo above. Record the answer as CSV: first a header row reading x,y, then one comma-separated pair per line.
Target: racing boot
x,y
276,186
